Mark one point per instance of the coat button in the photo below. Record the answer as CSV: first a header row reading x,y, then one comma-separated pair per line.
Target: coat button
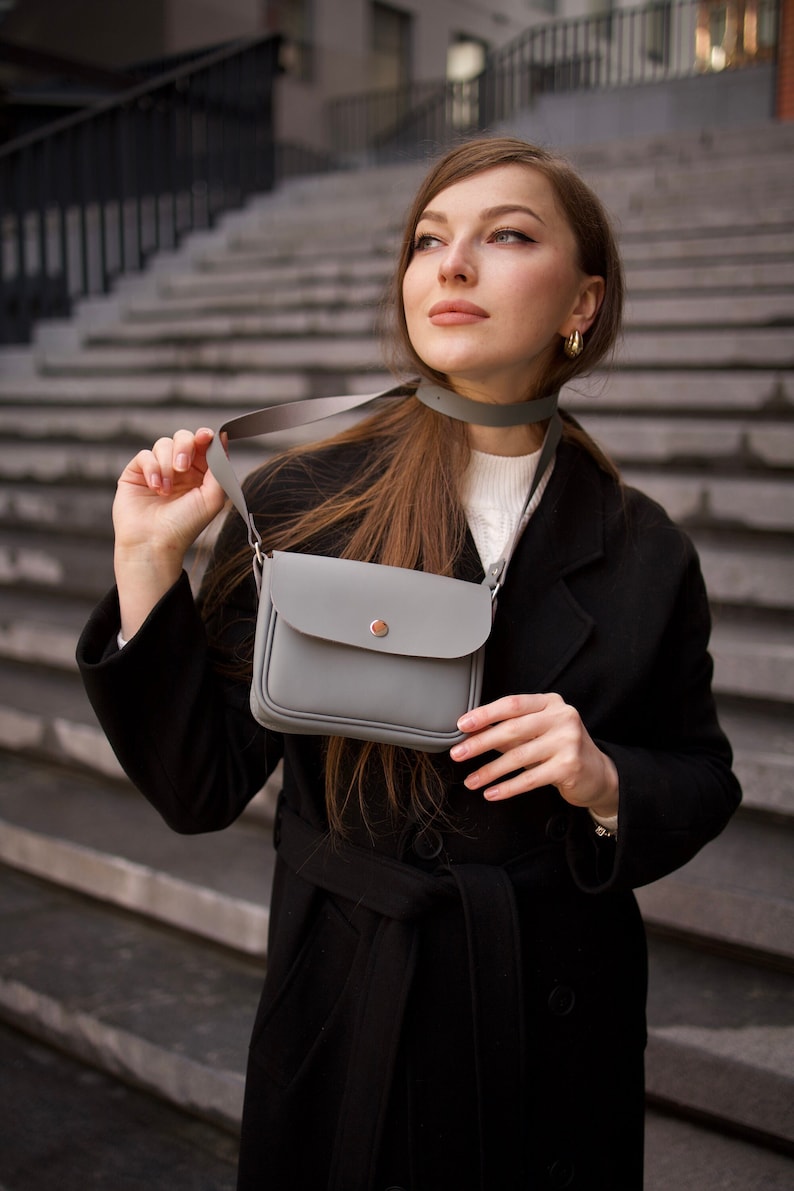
x,y
561,1001
557,828
428,844
561,1173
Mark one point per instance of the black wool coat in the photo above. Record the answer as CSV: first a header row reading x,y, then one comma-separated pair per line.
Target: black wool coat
x,y
460,1007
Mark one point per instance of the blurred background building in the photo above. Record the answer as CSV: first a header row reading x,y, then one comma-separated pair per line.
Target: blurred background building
x,y
370,62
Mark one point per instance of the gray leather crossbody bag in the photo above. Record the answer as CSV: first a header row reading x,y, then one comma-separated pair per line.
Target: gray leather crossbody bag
x,y
358,649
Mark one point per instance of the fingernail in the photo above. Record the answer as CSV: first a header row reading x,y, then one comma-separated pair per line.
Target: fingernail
x,y
458,751
465,722
156,480
182,463
472,781
165,484
492,793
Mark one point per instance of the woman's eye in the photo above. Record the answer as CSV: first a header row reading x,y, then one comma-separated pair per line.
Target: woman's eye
x,y
509,235
425,241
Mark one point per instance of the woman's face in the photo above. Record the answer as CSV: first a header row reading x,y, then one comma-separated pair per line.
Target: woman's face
x,y
493,283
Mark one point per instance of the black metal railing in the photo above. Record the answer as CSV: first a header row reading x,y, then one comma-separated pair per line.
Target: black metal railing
x,y
94,195
626,47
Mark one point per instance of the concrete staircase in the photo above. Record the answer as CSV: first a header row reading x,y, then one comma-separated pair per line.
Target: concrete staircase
x,y
141,952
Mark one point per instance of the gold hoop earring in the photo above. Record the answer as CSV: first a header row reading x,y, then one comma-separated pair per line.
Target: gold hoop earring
x,y
574,345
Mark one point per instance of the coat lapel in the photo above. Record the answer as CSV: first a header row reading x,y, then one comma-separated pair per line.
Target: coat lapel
x,y
565,534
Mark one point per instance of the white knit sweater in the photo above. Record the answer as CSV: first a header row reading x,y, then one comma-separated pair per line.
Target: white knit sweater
x,y
493,492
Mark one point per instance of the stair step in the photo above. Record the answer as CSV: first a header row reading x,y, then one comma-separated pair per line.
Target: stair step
x,y
46,714
753,660
249,389
696,347
737,502
65,1122
673,391
103,462
52,506
709,309
721,1040
763,746
707,277
737,893
62,463
33,628
639,439
270,279
103,839
744,248
277,248
353,318
682,1154
752,575
58,564
289,296
156,1009
347,353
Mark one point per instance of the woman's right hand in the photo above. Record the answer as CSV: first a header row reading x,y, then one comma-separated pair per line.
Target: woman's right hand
x,y
165,497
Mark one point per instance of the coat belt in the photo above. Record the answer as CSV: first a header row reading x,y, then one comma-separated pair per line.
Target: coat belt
x,y
401,894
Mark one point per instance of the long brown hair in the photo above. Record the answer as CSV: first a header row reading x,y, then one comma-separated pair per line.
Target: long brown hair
x,y
403,508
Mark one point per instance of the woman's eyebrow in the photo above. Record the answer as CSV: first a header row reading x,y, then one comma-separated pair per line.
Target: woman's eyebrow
x,y
508,209
488,213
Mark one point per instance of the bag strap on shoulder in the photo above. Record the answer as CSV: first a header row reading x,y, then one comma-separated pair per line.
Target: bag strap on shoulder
x,y
292,414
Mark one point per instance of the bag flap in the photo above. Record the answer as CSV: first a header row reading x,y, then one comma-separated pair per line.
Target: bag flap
x,y
386,609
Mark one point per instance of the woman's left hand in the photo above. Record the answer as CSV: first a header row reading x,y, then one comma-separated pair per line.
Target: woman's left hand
x,y
542,742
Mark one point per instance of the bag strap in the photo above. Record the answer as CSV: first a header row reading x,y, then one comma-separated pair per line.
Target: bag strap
x,y
287,416
292,414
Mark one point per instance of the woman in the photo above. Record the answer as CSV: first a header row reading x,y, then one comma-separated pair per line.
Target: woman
x,y
456,977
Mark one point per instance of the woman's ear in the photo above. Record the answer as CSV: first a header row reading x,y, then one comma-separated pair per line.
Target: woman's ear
x,y
588,304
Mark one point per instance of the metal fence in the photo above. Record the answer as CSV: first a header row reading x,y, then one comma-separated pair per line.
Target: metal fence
x,y
623,48
96,194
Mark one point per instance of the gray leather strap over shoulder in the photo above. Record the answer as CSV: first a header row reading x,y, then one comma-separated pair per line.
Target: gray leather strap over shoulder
x,y
279,417
314,409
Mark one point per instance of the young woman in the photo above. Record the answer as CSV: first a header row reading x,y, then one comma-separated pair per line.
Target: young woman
x,y
455,992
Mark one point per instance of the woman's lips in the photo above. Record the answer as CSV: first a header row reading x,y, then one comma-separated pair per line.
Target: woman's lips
x,y
445,314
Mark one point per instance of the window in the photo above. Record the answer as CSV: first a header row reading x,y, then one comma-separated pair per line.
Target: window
x,y
391,47
293,19
732,32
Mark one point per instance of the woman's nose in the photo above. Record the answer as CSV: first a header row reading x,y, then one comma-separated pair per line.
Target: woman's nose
x,y
456,263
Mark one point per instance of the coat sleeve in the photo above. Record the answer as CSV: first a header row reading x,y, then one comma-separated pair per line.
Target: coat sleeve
x,y
173,704
677,788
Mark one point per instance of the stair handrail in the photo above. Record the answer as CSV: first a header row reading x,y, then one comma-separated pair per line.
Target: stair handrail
x,y
94,194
